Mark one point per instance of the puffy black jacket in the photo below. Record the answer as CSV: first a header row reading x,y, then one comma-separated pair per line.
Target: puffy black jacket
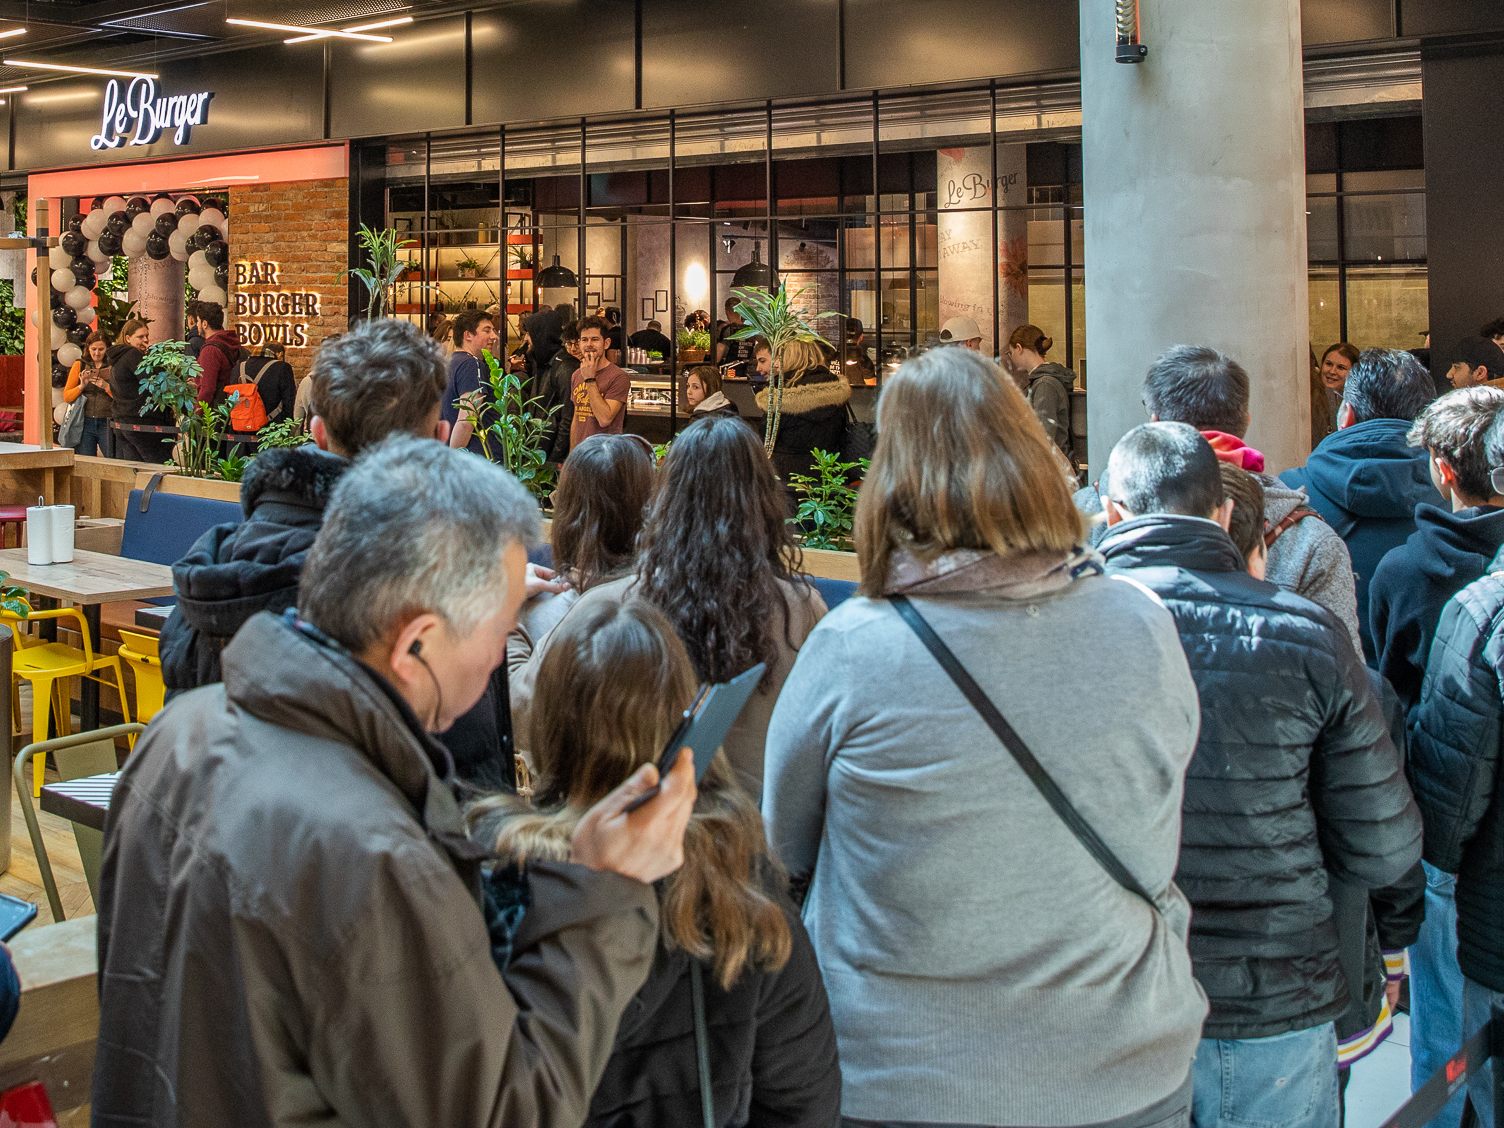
x,y
772,1049
235,570
127,403
1294,776
1455,733
813,417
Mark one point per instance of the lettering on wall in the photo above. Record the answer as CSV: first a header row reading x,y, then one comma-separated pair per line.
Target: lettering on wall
x,y
139,116
265,312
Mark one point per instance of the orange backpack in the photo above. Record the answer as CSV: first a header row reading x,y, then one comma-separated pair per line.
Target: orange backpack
x,y
248,415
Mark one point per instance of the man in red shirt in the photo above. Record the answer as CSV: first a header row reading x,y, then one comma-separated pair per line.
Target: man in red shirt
x,y
220,354
598,389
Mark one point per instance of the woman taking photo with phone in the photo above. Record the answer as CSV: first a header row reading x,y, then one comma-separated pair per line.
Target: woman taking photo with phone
x,y
984,968
733,957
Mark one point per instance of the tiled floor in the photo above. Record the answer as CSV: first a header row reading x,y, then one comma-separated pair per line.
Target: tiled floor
x,y
1381,1081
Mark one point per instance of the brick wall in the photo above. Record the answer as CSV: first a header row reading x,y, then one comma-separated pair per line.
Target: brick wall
x,y
301,226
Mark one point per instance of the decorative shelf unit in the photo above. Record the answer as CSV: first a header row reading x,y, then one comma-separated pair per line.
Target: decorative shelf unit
x,y
469,259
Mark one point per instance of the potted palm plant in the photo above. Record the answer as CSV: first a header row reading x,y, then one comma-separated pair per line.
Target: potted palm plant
x,y
384,267
778,320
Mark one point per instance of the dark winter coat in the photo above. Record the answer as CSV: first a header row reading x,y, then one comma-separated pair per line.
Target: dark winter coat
x,y
1455,768
556,396
235,570
123,360
1413,582
1049,394
1366,481
772,1049
813,418
1294,775
219,357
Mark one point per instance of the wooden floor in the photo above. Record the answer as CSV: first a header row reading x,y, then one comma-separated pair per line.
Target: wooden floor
x,y
24,879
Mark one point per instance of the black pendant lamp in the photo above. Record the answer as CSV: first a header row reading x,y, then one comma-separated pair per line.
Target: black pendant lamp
x,y
557,277
755,275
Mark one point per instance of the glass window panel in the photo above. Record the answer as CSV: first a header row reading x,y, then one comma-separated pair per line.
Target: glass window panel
x,y
1387,307
1321,229
1326,311
1388,181
1045,305
1384,228
1321,182
1078,327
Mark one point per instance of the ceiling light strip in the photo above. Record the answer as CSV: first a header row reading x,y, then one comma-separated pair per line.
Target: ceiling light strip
x,y
33,64
320,33
12,32
398,22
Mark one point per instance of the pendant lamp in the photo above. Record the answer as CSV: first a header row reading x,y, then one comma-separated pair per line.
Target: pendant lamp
x,y
756,274
557,277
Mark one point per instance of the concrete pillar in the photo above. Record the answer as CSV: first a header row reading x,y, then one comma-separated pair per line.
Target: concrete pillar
x,y
1196,209
157,289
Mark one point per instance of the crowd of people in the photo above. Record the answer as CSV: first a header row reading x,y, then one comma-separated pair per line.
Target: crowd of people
x,y
1104,809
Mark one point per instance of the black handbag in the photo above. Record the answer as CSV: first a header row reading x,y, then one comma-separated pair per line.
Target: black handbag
x,y
1032,768
858,440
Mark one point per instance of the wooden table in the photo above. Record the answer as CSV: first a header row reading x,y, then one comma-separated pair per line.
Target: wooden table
x,y
89,580
32,471
85,800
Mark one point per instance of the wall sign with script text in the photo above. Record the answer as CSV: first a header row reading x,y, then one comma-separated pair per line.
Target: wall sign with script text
x,y
265,312
139,116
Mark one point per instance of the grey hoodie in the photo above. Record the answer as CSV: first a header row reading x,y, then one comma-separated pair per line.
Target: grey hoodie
x,y
1309,558
1049,393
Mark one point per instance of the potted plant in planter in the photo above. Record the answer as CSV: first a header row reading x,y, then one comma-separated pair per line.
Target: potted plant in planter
x,y
775,318
169,383
827,501
514,429
382,247
468,267
519,257
693,345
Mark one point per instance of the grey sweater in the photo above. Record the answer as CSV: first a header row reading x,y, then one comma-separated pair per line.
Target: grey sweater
x,y
1309,558
982,967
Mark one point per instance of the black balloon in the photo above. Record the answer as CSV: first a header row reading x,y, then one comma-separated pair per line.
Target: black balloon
x,y
79,334
222,277
217,252
33,276
96,204
74,243
117,224
214,202
188,204
76,223
167,223
136,205
109,242
207,234
81,265
157,247
65,317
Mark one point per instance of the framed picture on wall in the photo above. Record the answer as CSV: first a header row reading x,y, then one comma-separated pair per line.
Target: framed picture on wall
x,y
648,309
593,299
660,301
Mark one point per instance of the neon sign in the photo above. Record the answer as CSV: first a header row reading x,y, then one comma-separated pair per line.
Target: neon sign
x,y
253,308
139,116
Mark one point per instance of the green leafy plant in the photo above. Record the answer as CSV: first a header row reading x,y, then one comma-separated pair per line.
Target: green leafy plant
x,y
169,383
694,339
520,256
283,433
513,428
660,451
778,320
13,599
383,250
232,467
12,321
115,307
827,508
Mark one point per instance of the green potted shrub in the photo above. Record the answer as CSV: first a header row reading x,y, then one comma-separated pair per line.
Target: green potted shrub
x,y
468,267
384,267
826,514
694,344
778,320
514,429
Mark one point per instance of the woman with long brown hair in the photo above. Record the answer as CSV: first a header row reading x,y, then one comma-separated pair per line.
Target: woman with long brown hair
x,y
951,907
715,555
812,405
128,406
90,377
610,690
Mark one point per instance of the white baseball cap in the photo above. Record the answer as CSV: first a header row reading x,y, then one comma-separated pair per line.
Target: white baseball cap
x,y
960,329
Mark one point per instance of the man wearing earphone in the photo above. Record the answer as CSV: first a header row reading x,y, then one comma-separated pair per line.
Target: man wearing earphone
x,y
289,920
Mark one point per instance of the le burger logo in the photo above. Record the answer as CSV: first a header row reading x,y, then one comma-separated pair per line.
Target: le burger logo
x,y
139,116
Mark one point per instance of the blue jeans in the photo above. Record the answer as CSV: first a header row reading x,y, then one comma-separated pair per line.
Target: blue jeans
x,y
1436,991
1478,1004
95,438
1288,1081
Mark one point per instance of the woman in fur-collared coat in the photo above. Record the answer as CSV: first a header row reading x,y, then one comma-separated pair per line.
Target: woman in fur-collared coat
x,y
814,409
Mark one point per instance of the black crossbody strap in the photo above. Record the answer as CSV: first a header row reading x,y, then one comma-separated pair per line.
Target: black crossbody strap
x,y
702,1043
1019,750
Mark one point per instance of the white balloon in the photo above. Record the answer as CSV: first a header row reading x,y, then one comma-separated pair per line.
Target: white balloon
x,y
59,337
114,204
197,260
57,257
160,207
133,244
69,354
144,223
78,297
212,216
87,315
93,224
64,280
35,320
212,293
177,244
188,224
201,279
224,228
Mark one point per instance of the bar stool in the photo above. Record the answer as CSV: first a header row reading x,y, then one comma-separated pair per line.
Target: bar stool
x,y
12,515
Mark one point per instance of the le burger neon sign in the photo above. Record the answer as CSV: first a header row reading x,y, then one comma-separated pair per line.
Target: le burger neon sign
x,y
140,117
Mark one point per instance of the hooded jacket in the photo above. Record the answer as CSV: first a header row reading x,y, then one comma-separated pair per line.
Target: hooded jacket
x,y
123,360
813,418
234,571
716,404
1413,582
219,356
1294,775
290,929
1457,769
1365,481
1049,393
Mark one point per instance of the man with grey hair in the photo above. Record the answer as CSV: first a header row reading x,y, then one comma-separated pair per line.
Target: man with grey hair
x,y
1294,781
290,929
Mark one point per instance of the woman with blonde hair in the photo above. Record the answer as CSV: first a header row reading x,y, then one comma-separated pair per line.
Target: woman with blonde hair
x,y
984,966
733,956
813,407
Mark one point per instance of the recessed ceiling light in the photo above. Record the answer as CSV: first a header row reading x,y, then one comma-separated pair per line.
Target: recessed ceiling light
x,y
319,33
398,22
33,64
